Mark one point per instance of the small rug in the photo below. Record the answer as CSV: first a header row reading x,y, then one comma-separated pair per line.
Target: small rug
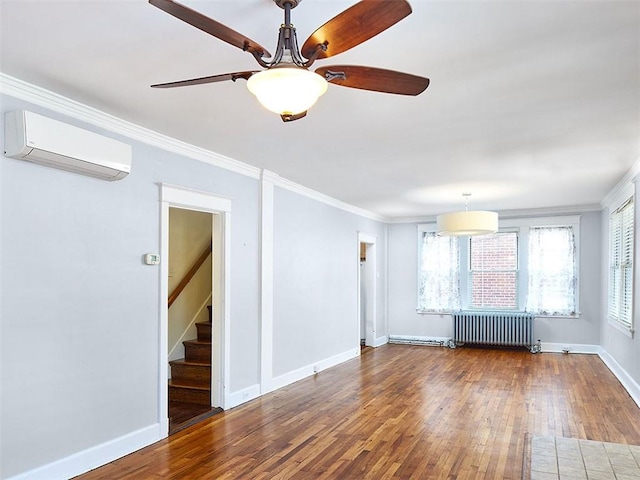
x,y
558,458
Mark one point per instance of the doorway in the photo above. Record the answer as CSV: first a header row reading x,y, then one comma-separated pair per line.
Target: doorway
x,y
367,295
190,305
194,338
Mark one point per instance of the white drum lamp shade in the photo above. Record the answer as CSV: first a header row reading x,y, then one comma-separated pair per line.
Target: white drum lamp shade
x,y
467,223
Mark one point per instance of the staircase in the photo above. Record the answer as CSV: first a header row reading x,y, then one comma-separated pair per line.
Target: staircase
x,y
191,376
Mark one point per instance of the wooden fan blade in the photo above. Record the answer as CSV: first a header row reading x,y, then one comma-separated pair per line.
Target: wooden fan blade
x,y
211,79
210,26
355,25
374,79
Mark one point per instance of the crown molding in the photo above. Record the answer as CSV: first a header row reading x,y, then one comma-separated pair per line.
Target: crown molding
x,y
22,90
281,182
621,187
504,214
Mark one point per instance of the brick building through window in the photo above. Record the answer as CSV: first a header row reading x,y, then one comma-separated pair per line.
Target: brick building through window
x,y
493,274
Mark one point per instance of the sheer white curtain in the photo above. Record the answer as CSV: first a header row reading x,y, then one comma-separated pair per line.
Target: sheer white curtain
x,y
552,271
438,282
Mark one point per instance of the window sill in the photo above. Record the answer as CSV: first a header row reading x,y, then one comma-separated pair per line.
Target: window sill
x,y
570,317
434,312
621,328
479,310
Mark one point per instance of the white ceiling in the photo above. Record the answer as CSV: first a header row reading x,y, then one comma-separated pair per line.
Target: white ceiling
x,y
532,104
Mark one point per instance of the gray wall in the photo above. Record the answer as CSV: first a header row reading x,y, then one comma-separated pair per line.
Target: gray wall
x,y
316,263
403,319
80,311
623,349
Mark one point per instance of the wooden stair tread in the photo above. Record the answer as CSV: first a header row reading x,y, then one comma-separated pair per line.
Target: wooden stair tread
x,y
191,387
184,361
195,341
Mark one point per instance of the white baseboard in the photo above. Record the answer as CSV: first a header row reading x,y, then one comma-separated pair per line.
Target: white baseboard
x,y
621,374
242,396
308,370
571,348
419,340
378,342
94,457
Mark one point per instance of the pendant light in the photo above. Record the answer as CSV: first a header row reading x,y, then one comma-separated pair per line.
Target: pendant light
x,y
467,223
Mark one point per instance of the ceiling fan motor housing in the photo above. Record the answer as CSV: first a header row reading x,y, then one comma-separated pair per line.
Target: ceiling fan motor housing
x,y
292,3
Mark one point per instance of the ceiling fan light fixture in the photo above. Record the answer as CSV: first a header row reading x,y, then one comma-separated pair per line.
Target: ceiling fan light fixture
x,y
287,90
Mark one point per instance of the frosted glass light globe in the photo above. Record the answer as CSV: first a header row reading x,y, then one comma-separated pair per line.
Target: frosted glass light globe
x,y
287,90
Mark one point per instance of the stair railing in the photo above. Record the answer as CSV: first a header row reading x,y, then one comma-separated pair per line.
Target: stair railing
x,y
190,274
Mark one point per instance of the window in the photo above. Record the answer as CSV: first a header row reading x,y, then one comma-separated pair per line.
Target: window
x,y
494,271
621,265
529,265
552,271
438,286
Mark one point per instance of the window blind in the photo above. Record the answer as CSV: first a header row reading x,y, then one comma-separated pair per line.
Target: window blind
x,y
621,232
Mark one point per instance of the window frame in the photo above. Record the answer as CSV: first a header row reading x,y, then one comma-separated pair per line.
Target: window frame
x,y
521,226
422,229
622,326
468,292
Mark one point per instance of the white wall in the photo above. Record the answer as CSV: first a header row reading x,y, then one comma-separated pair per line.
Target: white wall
x,y
403,319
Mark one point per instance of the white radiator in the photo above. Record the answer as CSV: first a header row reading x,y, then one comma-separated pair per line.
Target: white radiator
x,y
494,328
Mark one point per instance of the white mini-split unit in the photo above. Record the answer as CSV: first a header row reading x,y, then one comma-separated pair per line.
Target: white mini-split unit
x,y
38,139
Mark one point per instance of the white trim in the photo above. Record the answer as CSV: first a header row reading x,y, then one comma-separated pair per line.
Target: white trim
x,y
222,310
547,347
220,207
191,199
323,198
371,279
20,89
619,191
379,341
94,457
309,370
509,214
245,395
419,340
163,327
630,385
560,220
266,281
620,327
45,98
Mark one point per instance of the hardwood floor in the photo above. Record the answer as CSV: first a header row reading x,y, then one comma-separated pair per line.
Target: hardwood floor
x,y
183,415
400,411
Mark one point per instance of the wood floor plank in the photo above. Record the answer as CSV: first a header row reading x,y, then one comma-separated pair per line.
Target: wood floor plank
x,y
400,411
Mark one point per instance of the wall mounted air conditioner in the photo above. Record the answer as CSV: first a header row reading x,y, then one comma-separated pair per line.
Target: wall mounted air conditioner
x,y
38,139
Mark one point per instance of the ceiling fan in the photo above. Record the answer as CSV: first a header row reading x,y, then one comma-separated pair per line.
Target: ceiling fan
x,y
285,85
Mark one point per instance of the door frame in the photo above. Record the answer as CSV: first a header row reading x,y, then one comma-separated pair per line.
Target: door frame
x,y
370,279
220,208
